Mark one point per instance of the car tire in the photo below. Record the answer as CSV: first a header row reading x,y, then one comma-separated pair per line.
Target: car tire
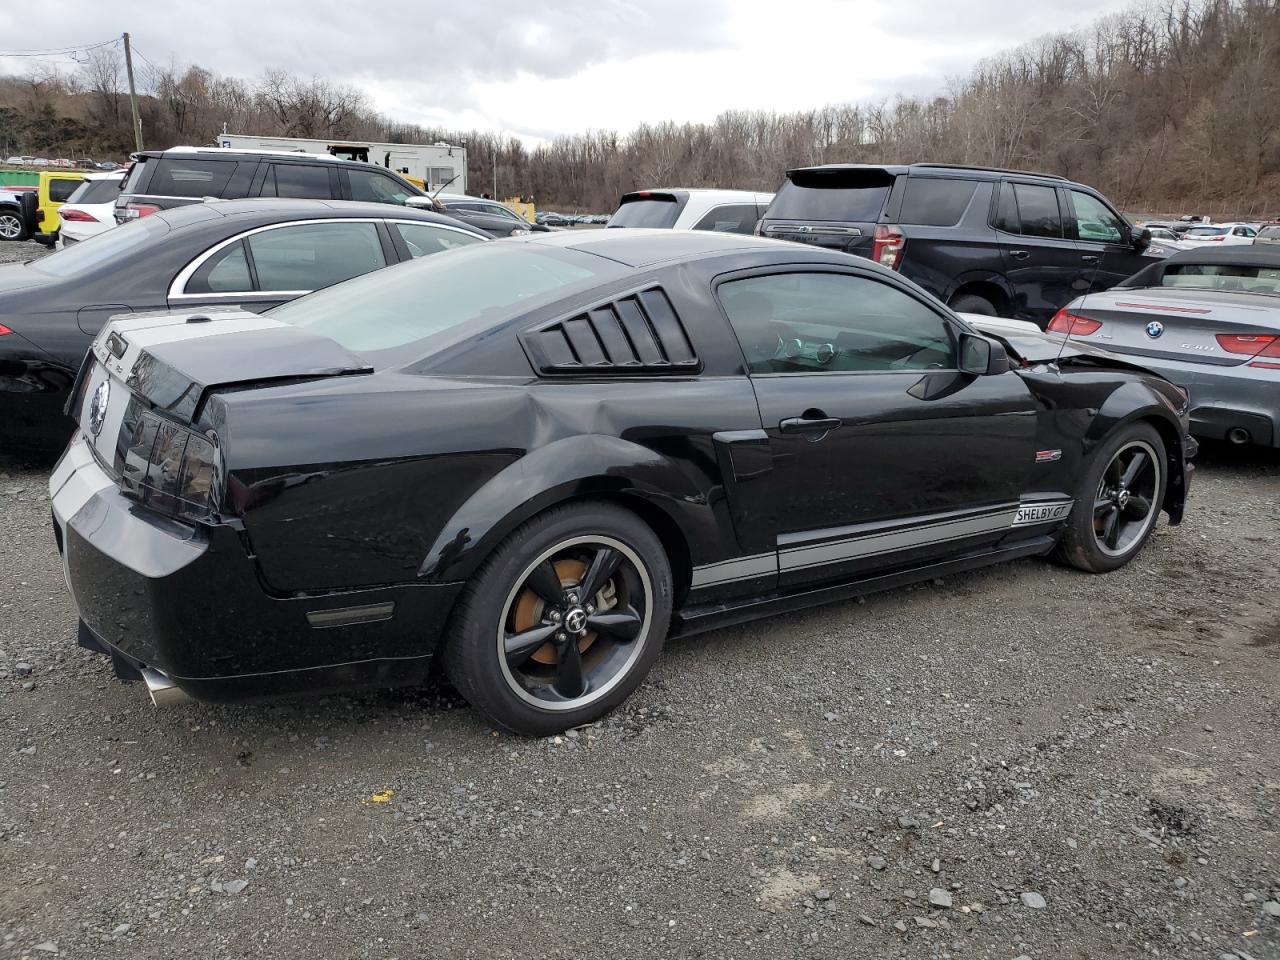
x,y
495,653
11,225
972,303
1114,513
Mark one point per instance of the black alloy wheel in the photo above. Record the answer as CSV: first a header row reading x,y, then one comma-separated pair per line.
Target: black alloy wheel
x,y
1124,508
563,621
1117,502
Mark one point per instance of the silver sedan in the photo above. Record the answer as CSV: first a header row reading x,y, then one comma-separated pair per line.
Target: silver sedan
x,y
1208,320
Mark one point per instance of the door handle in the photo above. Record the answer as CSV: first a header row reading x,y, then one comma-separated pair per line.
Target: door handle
x,y
1090,258
1020,254
809,424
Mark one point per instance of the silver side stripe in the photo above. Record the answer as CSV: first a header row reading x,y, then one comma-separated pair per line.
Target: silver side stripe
x,y
840,548
870,545
743,568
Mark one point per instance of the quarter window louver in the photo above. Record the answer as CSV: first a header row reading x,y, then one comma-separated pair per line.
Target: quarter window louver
x,y
638,333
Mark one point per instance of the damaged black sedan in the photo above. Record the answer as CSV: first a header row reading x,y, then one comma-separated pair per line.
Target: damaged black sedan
x,y
532,462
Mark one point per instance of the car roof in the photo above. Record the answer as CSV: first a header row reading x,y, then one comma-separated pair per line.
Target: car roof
x,y
640,247
278,209
286,155
897,170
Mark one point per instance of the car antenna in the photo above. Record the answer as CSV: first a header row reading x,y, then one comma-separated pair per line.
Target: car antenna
x,y
1098,266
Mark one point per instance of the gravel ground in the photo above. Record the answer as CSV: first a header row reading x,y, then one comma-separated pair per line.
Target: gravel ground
x,y
1019,762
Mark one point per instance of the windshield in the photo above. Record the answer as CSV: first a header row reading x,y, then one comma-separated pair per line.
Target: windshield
x,y
845,195
104,248
472,287
1223,276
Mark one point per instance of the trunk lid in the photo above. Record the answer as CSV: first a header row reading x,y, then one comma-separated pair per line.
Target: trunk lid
x,y
168,363
1173,323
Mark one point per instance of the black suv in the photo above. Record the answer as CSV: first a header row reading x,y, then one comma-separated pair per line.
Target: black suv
x,y
996,242
160,179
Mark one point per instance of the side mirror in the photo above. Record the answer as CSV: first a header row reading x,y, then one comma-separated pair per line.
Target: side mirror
x,y
981,357
1141,239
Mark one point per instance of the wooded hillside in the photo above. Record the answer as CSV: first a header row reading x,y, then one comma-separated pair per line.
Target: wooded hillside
x,y
1172,107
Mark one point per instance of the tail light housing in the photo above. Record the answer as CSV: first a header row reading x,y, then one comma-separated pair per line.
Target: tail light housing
x,y
164,465
135,211
77,216
1072,324
889,244
1264,348
4,331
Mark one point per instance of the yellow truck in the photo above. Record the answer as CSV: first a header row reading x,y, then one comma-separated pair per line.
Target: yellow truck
x,y
53,190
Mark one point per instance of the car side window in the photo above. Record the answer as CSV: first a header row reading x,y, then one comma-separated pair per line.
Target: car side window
x,y
834,323
729,218
423,239
372,187
227,271
314,255
297,180
1038,212
498,210
1094,219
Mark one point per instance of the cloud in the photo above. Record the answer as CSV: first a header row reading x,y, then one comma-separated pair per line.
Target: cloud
x,y
539,69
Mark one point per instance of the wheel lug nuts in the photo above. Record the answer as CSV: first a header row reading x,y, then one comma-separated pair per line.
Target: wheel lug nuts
x,y
590,608
555,616
560,637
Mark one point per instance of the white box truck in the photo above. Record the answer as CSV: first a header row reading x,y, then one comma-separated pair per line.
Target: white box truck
x,y
435,164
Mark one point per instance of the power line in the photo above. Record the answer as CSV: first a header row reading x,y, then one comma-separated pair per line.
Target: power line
x,y
57,51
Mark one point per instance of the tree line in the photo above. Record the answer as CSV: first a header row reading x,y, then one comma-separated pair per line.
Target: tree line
x,y
1171,106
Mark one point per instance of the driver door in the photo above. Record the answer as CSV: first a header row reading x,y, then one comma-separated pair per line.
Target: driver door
x,y
884,454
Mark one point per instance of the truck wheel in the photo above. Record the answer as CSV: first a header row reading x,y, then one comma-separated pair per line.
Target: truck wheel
x,y
972,303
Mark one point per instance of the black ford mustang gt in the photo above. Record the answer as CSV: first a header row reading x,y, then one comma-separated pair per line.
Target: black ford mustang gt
x,y
540,458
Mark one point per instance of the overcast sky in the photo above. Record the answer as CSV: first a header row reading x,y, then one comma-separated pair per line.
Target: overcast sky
x,y
538,69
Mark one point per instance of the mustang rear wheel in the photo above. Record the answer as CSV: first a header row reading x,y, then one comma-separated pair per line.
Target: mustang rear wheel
x,y
1118,501
563,622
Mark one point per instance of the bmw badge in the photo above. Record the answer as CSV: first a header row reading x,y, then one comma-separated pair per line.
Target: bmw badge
x,y
1154,329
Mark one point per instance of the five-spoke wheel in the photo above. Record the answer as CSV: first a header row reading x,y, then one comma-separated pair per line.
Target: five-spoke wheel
x,y
563,620
575,621
1117,501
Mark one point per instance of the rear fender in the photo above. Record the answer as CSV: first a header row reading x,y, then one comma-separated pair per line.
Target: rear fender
x,y
572,468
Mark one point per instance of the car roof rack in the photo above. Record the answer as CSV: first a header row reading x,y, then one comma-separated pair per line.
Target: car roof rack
x,y
963,166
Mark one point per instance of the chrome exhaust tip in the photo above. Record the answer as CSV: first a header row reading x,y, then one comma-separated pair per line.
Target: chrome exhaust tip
x,y
164,692
1238,435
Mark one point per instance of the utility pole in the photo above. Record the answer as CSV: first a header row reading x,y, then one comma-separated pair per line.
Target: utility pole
x,y
495,173
133,93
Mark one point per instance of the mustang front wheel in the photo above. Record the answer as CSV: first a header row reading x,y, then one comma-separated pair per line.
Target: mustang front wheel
x,y
563,622
1118,501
